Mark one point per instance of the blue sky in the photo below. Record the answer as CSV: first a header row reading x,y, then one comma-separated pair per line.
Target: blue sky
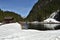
x,y
21,7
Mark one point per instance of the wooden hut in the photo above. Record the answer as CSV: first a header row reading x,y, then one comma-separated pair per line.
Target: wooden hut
x,y
8,19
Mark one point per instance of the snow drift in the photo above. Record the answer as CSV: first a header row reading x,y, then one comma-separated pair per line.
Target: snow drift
x,y
8,29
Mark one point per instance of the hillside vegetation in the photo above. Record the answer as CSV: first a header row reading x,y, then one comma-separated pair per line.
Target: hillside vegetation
x,y
16,17
42,9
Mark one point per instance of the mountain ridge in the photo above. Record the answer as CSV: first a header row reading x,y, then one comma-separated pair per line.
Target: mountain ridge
x,y
42,9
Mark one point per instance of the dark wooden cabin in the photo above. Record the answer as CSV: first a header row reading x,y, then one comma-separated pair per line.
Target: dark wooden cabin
x,y
8,19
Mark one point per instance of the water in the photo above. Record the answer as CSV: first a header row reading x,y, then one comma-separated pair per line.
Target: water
x,y
52,19
42,26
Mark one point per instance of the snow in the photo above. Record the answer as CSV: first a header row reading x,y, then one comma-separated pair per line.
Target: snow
x,y
13,31
8,29
0,23
51,20
51,17
34,35
53,14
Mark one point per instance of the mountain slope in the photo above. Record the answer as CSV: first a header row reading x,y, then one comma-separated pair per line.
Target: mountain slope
x,y
42,9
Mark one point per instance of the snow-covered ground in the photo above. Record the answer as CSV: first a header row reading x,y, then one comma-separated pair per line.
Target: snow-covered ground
x,y
34,35
8,29
13,31
51,20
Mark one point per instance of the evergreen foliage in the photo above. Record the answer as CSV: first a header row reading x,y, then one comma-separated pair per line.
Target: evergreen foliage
x,y
16,17
42,9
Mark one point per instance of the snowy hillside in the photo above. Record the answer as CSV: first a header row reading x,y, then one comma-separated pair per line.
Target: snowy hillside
x,y
13,31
